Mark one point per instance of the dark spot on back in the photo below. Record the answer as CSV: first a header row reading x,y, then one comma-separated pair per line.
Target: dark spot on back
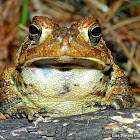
x,y
19,83
25,85
18,69
1,82
101,80
104,94
14,79
56,26
108,72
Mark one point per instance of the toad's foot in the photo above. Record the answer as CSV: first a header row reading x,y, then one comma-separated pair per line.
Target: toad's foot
x,y
20,113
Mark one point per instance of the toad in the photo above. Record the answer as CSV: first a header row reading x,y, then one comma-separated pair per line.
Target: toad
x,y
63,71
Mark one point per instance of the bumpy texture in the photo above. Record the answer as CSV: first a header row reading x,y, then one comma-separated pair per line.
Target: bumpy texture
x,y
63,71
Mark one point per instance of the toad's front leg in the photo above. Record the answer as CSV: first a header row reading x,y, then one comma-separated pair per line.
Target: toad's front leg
x,y
10,102
119,92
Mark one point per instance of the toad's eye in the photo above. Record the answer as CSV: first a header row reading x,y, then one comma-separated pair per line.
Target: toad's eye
x,y
35,31
94,33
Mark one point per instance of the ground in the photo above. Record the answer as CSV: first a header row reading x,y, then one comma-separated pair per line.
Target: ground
x,y
104,124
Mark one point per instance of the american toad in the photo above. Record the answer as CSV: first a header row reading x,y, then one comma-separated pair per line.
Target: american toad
x,y
63,71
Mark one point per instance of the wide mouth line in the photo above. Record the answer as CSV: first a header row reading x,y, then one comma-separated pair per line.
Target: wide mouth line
x,y
66,62
61,66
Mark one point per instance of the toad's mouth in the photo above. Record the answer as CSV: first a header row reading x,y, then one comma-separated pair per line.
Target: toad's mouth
x,y
66,63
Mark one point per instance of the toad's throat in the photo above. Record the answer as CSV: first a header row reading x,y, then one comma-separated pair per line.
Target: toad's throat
x,y
65,63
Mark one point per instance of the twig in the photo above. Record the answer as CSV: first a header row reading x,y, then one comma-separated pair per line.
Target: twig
x,y
112,9
61,5
125,22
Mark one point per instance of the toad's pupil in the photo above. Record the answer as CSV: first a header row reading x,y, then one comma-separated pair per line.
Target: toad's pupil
x,y
33,30
96,31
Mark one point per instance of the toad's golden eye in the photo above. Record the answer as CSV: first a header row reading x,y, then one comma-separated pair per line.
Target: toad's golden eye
x,y
35,31
94,33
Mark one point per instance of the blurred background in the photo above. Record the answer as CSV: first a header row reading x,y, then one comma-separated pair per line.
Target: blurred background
x,y
119,20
